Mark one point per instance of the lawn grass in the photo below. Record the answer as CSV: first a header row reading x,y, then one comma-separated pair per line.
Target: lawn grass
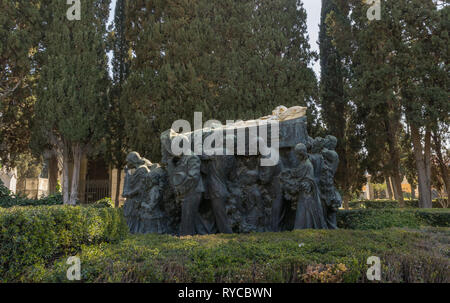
x,y
300,256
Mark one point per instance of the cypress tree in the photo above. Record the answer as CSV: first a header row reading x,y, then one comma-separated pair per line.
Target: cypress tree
x,y
337,113
227,59
369,46
20,33
116,139
72,97
424,79
399,65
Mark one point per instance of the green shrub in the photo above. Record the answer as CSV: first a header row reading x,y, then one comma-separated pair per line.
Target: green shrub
x,y
31,237
8,199
382,204
4,191
105,202
298,256
386,218
16,200
439,217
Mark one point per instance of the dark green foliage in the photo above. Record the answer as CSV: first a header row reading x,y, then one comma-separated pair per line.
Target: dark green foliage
x,y
8,199
4,191
72,88
72,95
116,137
385,218
406,256
18,200
105,202
31,237
336,110
20,31
398,69
228,59
433,218
380,204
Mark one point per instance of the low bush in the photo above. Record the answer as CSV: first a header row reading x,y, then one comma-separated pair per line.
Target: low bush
x,y
8,199
387,218
16,200
298,256
105,202
4,191
381,204
31,237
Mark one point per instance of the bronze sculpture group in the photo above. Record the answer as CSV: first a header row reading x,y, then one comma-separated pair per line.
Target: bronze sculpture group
x,y
199,194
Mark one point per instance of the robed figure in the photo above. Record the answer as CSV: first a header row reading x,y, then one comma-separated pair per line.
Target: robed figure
x,y
136,172
300,188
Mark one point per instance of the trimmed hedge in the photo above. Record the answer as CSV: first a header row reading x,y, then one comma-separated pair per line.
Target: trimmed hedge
x,y
380,204
298,256
387,218
8,199
32,237
12,201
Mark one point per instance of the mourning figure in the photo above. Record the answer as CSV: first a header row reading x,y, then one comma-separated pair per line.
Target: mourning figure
x,y
217,169
300,188
153,218
316,157
143,185
272,196
186,180
331,198
136,171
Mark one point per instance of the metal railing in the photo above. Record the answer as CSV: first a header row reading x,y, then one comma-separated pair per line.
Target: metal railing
x,y
97,190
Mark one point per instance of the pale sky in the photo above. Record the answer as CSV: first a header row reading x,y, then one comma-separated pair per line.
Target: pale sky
x,y
313,10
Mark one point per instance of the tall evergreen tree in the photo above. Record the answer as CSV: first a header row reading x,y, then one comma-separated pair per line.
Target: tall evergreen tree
x,y
336,109
116,138
20,33
369,46
227,59
424,78
400,71
72,99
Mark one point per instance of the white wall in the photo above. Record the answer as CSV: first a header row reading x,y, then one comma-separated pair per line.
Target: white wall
x,y
9,178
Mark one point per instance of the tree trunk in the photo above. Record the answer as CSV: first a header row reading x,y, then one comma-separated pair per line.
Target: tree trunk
x,y
118,179
395,188
77,154
427,156
413,192
389,188
345,200
53,173
66,188
422,170
398,187
442,166
395,161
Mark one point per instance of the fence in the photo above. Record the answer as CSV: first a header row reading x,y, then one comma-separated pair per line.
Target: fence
x,y
96,190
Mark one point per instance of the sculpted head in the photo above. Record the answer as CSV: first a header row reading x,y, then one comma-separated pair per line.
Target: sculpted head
x,y
317,145
301,151
134,160
330,142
